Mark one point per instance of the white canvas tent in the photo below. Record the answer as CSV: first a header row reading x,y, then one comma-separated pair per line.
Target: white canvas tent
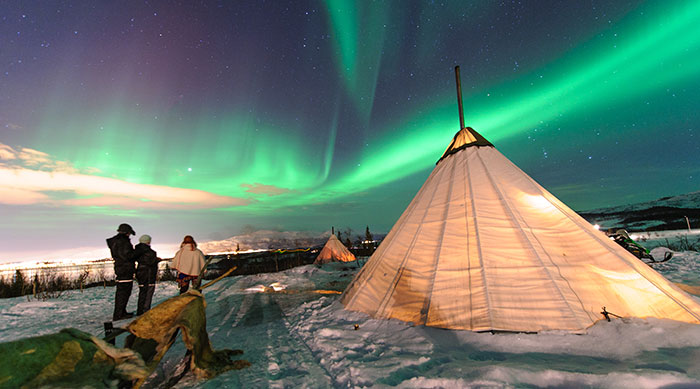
x,y
483,247
334,251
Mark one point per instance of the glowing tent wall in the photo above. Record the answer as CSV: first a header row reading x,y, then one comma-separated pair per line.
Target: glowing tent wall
x,y
482,247
334,251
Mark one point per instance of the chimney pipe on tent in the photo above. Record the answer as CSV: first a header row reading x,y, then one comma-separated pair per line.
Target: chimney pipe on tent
x,y
459,99
332,230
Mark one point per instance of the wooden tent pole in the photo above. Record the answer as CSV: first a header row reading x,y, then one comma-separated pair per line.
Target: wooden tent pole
x,y
459,99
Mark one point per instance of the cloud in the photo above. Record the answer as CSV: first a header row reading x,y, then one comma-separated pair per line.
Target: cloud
x,y
19,196
33,157
6,152
35,178
27,186
269,190
13,126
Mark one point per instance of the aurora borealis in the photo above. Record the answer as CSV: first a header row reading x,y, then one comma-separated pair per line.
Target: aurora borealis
x,y
204,117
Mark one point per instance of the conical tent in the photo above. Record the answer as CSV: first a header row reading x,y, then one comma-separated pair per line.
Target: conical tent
x,y
483,247
334,251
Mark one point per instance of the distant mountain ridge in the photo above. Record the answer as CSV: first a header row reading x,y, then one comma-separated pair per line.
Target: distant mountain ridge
x,y
266,240
666,213
272,240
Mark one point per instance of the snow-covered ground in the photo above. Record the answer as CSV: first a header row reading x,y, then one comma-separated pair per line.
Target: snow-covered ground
x,y
652,239
297,337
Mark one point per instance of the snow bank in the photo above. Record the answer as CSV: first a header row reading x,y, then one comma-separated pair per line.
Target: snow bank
x,y
559,379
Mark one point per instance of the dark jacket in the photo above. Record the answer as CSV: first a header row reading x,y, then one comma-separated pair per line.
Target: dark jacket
x,y
123,255
148,264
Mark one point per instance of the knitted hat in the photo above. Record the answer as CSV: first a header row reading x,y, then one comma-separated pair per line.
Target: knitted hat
x,y
126,229
145,239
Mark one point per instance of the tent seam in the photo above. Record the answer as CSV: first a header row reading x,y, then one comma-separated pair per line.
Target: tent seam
x,y
439,249
585,228
399,274
512,211
481,253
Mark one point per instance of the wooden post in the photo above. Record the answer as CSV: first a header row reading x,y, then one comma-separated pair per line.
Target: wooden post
x,y
459,98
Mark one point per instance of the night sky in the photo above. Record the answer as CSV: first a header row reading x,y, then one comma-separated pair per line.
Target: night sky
x,y
213,118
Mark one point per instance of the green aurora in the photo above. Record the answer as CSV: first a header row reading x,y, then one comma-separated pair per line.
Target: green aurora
x,y
594,122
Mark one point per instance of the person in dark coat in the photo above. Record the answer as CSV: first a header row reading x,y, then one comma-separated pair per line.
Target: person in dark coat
x,y
123,255
146,273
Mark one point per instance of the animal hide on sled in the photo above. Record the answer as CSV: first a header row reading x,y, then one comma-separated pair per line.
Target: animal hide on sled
x,y
67,359
155,331
72,358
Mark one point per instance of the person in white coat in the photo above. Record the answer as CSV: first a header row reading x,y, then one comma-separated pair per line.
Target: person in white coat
x,y
188,262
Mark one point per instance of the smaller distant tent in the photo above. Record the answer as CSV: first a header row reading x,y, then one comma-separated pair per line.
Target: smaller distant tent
x,y
334,251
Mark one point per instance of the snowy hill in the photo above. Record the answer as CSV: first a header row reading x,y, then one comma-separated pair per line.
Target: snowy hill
x,y
667,213
271,240
266,240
